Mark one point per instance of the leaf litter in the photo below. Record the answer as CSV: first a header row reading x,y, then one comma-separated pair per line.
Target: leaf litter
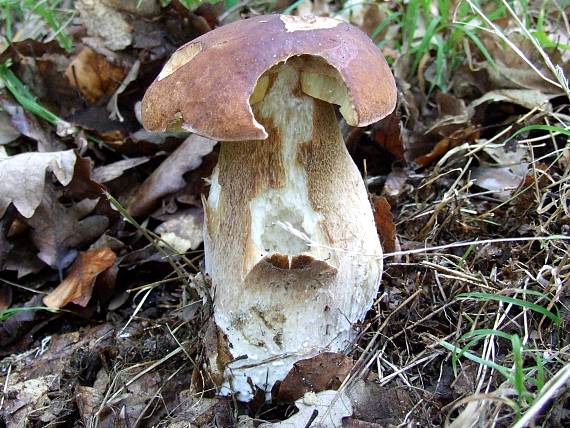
x,y
476,153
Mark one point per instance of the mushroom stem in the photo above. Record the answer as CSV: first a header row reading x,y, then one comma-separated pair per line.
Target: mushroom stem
x,y
291,245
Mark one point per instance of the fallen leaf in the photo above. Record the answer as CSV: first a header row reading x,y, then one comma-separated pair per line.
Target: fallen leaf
x,y
88,400
93,75
325,371
7,131
500,180
441,148
384,223
528,98
105,22
460,136
379,404
395,184
112,105
27,124
168,177
109,172
387,133
183,231
22,178
59,230
77,287
23,257
33,394
452,115
511,71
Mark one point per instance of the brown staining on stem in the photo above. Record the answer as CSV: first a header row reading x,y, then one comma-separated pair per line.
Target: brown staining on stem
x,y
245,169
324,157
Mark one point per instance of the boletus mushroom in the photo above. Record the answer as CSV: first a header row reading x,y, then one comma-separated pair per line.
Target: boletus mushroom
x,y
290,241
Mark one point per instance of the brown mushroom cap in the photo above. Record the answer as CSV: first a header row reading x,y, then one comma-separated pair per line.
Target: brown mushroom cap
x,y
206,85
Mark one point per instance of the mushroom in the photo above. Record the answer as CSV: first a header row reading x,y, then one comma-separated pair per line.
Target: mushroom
x,y
290,241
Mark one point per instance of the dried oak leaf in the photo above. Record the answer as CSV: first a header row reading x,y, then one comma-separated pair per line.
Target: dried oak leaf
x,y
94,75
77,287
466,135
387,134
59,230
103,21
22,178
109,172
384,223
322,372
168,177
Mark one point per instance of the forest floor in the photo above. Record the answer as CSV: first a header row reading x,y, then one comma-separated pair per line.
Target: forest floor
x,y
102,307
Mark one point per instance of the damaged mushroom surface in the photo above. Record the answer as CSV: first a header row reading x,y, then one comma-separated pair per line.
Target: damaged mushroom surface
x,y
290,241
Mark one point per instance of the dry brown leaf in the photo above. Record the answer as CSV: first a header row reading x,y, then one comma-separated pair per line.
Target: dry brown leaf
x,y
183,230
324,371
77,287
94,75
22,178
384,223
59,230
441,148
105,22
469,134
168,177
109,172
528,98
387,134
511,70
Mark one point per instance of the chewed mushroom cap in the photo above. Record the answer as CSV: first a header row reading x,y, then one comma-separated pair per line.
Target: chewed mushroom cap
x,y
206,85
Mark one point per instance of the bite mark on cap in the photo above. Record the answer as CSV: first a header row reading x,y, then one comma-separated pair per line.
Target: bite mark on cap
x,y
308,23
179,58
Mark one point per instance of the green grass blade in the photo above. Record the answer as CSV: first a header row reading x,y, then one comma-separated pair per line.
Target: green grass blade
x,y
550,128
10,312
475,358
518,375
507,299
22,94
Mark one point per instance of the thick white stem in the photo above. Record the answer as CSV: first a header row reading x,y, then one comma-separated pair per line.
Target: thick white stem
x,y
279,297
